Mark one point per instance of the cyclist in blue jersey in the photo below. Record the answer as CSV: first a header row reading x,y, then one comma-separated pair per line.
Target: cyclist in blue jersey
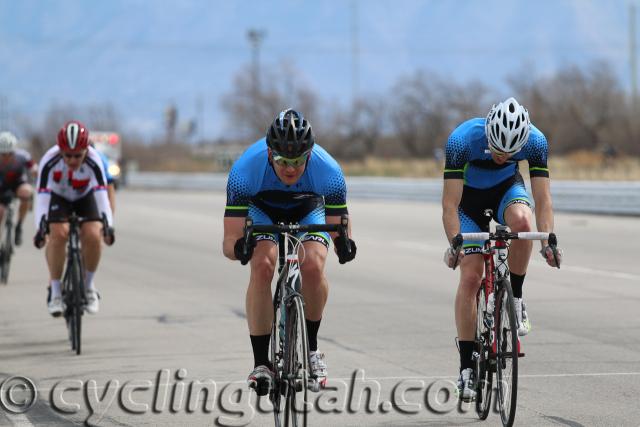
x,y
481,182
284,177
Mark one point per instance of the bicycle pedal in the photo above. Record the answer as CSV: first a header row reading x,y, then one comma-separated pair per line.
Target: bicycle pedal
x,y
313,386
520,354
261,388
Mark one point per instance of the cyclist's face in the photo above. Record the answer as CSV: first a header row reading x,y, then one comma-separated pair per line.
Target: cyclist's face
x,y
499,157
6,157
73,160
285,170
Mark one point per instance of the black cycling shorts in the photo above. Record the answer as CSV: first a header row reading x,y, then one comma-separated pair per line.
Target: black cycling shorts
x,y
86,208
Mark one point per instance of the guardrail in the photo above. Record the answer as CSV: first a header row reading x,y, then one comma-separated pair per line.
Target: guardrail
x,y
599,197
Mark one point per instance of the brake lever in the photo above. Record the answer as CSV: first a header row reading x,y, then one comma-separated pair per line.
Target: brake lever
x,y
248,230
553,244
456,244
344,224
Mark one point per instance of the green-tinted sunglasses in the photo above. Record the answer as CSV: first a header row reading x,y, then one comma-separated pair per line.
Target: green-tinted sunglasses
x,y
284,161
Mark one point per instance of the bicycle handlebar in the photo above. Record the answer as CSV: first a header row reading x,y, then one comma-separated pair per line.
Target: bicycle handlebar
x,y
456,242
526,235
249,229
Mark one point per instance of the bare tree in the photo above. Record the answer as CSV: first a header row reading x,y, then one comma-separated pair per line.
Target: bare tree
x,y
250,113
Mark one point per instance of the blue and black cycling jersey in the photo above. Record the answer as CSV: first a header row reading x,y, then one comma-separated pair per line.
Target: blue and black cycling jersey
x,y
468,156
489,188
253,178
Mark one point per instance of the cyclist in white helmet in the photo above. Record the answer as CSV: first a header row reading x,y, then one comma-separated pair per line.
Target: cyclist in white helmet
x,y
482,181
15,166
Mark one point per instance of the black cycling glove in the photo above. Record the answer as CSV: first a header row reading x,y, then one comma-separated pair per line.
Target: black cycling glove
x,y
341,247
239,250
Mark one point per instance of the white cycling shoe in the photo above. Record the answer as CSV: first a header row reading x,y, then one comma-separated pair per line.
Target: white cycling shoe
x,y
522,318
318,369
93,301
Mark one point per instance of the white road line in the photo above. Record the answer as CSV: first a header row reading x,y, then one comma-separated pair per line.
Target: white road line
x,y
573,268
435,377
19,420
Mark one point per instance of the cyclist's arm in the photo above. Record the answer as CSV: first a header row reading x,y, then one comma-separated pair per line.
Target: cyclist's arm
x,y
99,185
451,196
541,192
111,193
43,190
233,230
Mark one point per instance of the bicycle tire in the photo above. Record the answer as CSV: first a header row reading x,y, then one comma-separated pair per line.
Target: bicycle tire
x,y
484,375
77,309
2,267
506,353
296,366
7,250
276,345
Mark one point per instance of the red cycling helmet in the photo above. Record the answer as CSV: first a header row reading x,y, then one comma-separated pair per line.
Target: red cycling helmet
x,y
73,136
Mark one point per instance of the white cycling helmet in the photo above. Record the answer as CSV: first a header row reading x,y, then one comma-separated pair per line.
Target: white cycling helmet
x,y
507,126
8,142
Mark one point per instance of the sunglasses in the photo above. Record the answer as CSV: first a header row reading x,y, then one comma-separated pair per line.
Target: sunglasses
x,y
500,154
72,156
284,161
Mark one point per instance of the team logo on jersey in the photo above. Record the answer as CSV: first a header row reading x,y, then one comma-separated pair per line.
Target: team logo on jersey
x,y
79,184
57,176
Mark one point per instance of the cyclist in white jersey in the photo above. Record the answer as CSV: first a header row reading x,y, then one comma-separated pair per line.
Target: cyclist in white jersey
x,y
71,178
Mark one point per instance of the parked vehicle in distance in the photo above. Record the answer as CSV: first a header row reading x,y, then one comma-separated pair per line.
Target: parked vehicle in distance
x,y
109,144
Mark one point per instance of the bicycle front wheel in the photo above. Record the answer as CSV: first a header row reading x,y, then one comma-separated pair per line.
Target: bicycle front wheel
x,y
506,352
484,374
277,344
296,367
77,290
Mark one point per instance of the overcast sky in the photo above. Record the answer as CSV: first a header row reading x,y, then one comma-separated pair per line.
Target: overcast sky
x,y
141,55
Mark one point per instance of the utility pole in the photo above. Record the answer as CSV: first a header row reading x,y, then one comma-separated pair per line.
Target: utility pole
x,y
255,38
354,53
632,56
4,112
200,116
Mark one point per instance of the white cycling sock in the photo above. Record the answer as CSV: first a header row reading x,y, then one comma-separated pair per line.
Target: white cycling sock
x,y
55,289
88,282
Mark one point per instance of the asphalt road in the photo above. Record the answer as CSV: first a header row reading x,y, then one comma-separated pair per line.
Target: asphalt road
x,y
172,323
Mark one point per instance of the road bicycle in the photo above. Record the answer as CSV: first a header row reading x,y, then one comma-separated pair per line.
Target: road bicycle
x,y
497,347
6,245
73,286
289,350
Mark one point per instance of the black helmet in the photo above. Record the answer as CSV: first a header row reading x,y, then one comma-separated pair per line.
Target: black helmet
x,y
290,135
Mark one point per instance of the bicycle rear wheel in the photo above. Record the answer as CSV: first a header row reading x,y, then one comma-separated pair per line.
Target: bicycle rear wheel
x,y
484,375
506,352
296,367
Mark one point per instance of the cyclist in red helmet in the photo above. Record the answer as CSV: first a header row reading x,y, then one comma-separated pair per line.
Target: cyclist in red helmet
x,y
71,178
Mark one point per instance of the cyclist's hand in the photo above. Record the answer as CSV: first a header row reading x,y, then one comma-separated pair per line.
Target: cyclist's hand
x,y
344,255
453,258
239,250
39,240
547,253
109,236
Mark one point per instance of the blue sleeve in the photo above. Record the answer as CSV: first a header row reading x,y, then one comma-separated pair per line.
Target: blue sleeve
x,y
457,154
105,165
536,151
238,192
332,184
